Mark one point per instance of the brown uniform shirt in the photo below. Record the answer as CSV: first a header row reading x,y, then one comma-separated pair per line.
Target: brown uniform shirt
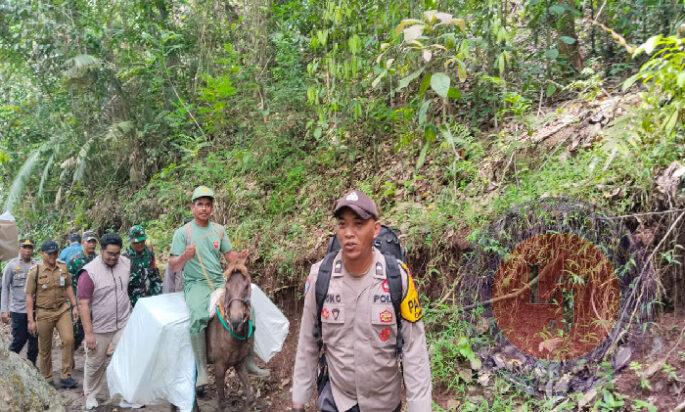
x,y
50,297
359,332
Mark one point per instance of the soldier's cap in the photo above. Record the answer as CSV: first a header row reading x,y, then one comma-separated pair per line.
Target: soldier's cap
x,y
74,237
49,246
359,203
137,234
89,235
202,191
26,242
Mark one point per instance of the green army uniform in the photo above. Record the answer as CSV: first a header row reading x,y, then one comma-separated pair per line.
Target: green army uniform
x,y
201,276
76,264
144,280
74,268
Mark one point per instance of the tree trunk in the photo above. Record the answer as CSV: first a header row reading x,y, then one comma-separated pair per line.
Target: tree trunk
x,y
566,28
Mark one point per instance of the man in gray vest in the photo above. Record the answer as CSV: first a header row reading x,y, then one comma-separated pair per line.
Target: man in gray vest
x,y
105,308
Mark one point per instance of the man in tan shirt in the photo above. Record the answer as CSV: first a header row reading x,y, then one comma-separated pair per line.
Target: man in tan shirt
x,y
49,285
359,326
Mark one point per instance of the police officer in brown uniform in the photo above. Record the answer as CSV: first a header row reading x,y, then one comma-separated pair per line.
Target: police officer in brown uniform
x,y
359,326
49,286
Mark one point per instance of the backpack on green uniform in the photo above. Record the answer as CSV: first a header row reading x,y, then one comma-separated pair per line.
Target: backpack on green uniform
x,y
173,281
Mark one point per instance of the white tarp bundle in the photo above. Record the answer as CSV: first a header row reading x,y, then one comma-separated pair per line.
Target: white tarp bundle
x,y
271,326
153,361
9,237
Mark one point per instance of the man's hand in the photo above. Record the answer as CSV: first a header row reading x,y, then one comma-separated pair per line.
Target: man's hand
x,y
90,341
32,327
5,317
189,252
74,312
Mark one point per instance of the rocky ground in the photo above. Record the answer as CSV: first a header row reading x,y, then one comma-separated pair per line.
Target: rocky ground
x,y
272,394
650,368
655,372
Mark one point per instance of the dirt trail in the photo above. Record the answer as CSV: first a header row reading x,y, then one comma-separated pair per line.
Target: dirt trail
x,y
272,394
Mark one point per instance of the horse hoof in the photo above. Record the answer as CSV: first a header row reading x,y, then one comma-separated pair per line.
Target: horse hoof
x,y
201,391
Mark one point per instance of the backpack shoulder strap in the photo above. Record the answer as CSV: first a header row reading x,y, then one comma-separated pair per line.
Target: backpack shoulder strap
x,y
36,280
323,279
188,229
35,292
394,276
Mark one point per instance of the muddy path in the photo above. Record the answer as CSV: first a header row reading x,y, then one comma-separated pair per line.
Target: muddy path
x,y
272,393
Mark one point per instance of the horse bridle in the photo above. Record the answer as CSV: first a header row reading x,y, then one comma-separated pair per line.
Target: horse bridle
x,y
248,307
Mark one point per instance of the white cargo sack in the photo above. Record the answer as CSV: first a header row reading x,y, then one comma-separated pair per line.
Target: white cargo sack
x,y
9,237
153,362
271,326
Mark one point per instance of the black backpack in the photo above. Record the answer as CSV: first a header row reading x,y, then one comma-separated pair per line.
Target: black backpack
x,y
389,245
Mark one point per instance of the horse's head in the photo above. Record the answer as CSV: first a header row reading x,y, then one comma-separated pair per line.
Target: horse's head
x,y
237,296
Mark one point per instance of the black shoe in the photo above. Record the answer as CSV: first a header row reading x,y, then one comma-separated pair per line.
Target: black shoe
x,y
68,383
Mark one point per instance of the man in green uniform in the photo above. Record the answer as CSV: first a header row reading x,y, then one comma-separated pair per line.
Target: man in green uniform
x,y
196,249
74,266
144,280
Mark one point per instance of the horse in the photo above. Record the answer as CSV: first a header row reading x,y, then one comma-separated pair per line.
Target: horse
x,y
230,333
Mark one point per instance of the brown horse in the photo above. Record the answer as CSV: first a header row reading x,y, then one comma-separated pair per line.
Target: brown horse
x,y
230,338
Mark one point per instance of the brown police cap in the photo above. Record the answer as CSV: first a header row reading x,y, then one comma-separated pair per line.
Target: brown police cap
x,y
359,203
26,242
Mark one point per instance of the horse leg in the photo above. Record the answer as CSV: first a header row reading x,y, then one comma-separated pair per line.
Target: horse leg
x,y
219,375
245,381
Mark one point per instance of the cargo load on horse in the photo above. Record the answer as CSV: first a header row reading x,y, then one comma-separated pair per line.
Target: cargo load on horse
x,y
163,368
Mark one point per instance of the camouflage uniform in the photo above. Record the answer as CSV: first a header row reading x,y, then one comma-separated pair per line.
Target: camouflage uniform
x,y
145,279
76,264
74,268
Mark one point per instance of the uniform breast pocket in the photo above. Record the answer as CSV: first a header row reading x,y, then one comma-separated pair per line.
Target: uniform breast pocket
x,y
19,280
43,281
382,315
332,321
383,323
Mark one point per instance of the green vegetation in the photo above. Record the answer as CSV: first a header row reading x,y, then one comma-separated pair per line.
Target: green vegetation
x,y
112,112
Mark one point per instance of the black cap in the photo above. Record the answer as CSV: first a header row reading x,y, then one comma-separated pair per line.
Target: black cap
x,y
75,237
49,246
359,203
